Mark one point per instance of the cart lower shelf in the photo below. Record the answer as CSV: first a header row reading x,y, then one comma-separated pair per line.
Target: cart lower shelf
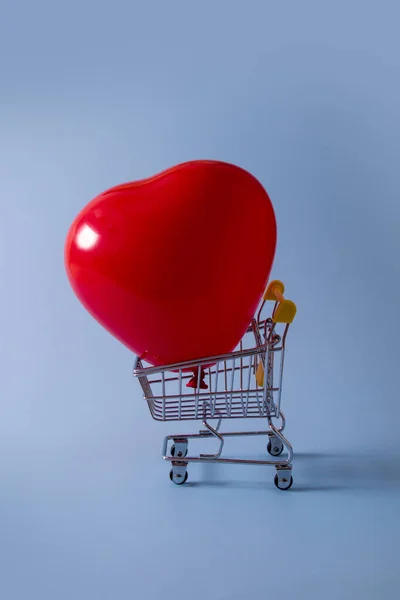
x,y
175,451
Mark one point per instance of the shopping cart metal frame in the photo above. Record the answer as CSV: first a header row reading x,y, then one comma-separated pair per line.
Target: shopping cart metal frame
x,y
246,383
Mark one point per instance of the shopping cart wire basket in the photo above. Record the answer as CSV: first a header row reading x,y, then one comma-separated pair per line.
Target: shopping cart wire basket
x,y
246,383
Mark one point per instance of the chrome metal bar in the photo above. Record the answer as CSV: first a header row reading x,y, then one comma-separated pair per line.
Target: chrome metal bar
x,y
197,396
215,433
180,393
199,362
231,390
256,332
260,311
241,365
218,425
248,386
216,387
254,392
278,404
225,376
186,398
163,390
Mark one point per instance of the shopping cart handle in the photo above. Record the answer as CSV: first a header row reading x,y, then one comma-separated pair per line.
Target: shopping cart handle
x,y
286,309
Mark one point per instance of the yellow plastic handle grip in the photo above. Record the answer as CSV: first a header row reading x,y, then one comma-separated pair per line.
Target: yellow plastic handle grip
x,y
274,291
286,309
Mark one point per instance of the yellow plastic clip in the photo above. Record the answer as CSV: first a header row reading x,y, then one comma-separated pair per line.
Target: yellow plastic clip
x,y
260,375
286,309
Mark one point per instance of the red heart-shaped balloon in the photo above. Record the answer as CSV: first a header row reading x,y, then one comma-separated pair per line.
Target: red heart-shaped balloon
x,y
174,266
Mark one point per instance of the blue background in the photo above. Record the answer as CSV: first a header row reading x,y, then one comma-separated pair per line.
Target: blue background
x,y
305,95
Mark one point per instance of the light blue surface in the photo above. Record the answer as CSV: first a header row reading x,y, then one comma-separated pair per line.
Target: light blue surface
x,y
306,95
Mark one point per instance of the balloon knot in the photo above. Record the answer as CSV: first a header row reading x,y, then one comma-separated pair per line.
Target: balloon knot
x,y
197,380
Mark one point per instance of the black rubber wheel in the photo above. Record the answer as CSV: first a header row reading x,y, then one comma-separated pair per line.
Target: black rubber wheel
x,y
269,448
276,481
179,455
171,476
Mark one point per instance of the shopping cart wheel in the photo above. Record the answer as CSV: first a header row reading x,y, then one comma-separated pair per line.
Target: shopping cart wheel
x,y
283,483
179,448
275,446
178,476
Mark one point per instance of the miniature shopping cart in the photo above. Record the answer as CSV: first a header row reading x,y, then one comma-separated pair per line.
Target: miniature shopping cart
x,y
246,383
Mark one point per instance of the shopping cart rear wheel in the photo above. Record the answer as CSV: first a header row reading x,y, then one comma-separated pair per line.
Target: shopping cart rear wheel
x,y
182,451
276,449
178,480
283,485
